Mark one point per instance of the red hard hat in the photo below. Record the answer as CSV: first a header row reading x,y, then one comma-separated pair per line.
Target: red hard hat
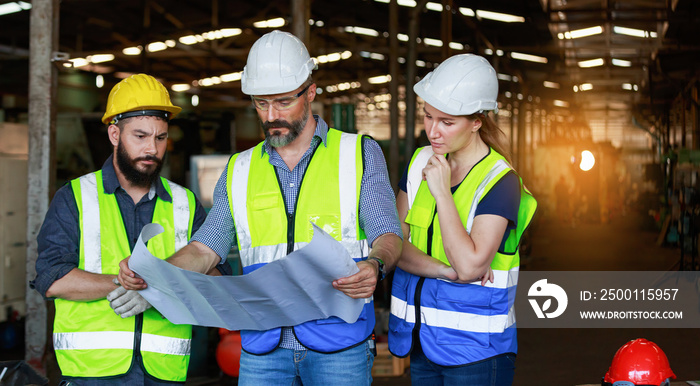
x,y
640,362
228,352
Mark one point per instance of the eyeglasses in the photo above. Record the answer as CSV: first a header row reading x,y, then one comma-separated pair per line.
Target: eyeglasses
x,y
279,104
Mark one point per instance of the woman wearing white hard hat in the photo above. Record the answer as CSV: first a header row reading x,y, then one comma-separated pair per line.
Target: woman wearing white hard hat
x,y
463,210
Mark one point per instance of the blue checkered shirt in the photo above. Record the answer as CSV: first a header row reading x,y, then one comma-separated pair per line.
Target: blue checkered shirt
x,y
377,212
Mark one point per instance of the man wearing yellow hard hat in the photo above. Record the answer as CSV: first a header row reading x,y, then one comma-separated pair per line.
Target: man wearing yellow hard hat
x,y
92,224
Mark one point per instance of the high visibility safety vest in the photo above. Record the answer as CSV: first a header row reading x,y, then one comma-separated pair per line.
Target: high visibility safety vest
x,y
328,197
457,323
89,338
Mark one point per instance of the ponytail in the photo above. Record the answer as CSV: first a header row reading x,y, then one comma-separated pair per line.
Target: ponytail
x,y
492,135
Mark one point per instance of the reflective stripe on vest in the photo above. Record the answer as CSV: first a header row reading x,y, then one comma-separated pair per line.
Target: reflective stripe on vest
x,y
454,320
112,340
329,197
460,323
90,339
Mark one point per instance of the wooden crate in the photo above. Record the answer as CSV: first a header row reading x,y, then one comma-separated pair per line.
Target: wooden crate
x,y
385,364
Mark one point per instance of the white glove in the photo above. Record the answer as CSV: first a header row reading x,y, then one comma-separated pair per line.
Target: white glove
x,y
127,303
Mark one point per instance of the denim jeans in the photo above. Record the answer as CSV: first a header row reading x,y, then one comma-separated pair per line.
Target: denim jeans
x,y
351,367
497,371
135,377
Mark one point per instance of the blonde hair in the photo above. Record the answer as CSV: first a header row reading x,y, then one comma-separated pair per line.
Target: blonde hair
x,y
492,135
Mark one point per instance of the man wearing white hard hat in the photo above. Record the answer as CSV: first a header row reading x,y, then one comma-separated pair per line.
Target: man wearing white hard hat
x,y
463,210
265,202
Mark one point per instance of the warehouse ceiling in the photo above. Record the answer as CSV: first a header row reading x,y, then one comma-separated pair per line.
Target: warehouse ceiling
x,y
643,52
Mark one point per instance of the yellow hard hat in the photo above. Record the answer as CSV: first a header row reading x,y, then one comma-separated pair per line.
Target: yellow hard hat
x,y
139,95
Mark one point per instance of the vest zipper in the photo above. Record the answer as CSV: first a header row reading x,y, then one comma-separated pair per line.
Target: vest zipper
x,y
137,340
290,233
416,306
291,216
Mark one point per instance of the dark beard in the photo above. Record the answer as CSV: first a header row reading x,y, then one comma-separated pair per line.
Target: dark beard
x,y
295,128
131,173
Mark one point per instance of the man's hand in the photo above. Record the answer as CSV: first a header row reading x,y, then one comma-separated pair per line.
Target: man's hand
x,y
360,285
128,279
127,303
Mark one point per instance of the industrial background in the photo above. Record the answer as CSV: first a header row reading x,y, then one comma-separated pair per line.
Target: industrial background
x,y
599,99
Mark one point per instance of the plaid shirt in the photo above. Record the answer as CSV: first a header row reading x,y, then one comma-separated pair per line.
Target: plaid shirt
x,y
377,214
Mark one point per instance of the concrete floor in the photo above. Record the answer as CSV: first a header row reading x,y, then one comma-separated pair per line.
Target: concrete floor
x,y
582,356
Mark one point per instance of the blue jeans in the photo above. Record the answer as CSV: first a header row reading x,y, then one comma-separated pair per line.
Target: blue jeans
x,y
135,377
497,371
285,367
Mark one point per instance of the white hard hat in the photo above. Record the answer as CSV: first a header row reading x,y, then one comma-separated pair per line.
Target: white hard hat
x,y
277,63
461,85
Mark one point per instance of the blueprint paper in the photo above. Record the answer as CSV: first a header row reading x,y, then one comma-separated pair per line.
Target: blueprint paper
x,y
286,292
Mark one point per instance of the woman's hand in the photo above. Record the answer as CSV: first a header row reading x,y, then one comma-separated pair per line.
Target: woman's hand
x,y
488,277
437,173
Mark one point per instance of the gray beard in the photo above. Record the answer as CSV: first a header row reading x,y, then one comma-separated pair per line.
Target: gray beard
x,y
295,128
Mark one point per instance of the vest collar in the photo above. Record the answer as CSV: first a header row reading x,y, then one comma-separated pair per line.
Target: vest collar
x,y
110,182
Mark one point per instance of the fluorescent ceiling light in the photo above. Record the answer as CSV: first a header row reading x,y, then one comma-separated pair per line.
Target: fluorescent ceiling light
x,y
156,46
420,63
362,31
434,7
272,23
402,37
504,17
371,55
549,84
180,87
333,57
580,33
195,100
591,63
228,32
634,32
211,35
99,81
630,86
621,63
79,62
232,77
528,57
433,42
456,46
17,6
342,86
188,40
467,11
505,77
132,51
405,3
100,58
379,79
586,87
559,103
